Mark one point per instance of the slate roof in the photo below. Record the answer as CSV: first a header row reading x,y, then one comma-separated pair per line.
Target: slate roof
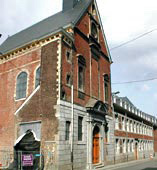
x,y
126,100
45,27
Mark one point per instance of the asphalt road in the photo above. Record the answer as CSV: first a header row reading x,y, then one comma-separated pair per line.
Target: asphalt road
x,y
148,165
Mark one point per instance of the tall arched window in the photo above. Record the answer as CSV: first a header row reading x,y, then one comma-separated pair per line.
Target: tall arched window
x,y
37,78
81,72
21,85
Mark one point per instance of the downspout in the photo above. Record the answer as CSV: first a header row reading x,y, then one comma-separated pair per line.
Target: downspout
x,y
60,69
72,124
72,112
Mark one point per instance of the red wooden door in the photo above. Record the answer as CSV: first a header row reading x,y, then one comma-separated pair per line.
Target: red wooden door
x,y
96,147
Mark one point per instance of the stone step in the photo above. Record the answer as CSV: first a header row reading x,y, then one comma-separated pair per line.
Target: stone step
x,y
99,165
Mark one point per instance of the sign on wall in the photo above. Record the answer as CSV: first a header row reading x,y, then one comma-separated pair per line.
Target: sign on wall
x,y
27,160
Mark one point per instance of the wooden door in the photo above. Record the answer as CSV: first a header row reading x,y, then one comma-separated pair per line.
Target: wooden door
x,y
96,147
136,154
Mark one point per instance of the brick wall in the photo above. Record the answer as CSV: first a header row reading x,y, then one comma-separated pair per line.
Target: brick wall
x,y
8,104
155,140
132,135
41,105
94,70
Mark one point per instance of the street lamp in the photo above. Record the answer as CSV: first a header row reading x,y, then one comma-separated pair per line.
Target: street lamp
x,y
114,93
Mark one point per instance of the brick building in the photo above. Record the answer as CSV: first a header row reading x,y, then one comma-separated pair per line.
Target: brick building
x,y
55,97
134,131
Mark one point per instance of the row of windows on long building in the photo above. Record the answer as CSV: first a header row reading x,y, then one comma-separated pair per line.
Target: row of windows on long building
x,y
131,108
21,83
129,145
127,124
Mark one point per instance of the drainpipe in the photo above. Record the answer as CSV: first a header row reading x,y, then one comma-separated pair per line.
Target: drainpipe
x,y
72,114
72,124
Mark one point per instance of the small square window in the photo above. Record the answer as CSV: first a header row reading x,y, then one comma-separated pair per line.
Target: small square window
x,y
63,94
68,55
68,79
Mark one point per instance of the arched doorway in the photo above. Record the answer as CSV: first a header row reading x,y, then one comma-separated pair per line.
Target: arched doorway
x,y
27,152
96,145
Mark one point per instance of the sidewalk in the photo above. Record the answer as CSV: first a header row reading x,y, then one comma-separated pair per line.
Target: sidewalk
x,y
125,164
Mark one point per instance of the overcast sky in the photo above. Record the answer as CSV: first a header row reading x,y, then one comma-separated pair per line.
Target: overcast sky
x,y
123,20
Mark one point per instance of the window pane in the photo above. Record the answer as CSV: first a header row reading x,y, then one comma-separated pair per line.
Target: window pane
x,y
106,91
94,31
80,128
37,78
67,130
21,85
80,78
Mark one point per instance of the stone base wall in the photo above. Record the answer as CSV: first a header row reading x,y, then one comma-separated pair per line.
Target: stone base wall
x,y
64,113
131,156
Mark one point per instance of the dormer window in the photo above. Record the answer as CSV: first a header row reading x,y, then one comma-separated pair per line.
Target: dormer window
x,y
94,31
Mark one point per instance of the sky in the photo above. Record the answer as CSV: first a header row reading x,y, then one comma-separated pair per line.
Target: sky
x,y
123,20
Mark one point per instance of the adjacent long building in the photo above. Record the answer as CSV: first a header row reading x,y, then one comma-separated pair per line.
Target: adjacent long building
x,y
135,131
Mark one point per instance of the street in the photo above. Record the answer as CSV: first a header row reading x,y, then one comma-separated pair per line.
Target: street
x,y
148,165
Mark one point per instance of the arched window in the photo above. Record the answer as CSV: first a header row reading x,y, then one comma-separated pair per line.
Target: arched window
x,y
37,78
21,85
94,31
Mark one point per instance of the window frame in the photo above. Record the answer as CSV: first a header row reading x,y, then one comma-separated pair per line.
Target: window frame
x,y
22,97
67,130
82,64
83,78
68,83
80,138
116,121
35,84
96,34
106,87
68,57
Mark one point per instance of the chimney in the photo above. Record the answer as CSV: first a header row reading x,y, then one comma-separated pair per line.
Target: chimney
x,y
69,4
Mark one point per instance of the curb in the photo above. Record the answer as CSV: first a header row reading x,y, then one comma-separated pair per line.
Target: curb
x,y
125,164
